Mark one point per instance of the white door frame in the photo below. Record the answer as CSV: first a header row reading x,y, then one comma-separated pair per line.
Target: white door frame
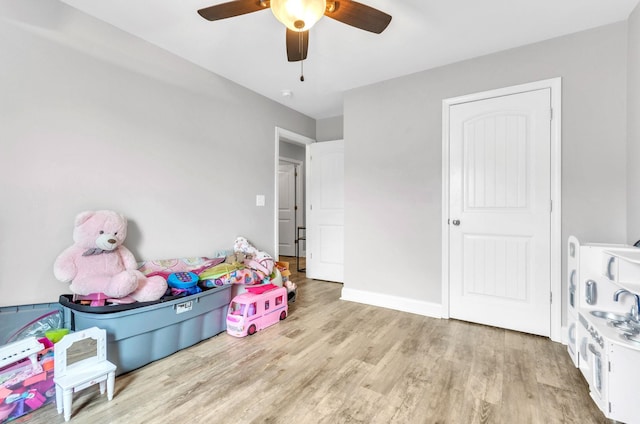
x,y
282,134
555,84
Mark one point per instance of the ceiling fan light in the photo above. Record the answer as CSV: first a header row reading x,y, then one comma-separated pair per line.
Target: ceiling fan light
x,y
298,15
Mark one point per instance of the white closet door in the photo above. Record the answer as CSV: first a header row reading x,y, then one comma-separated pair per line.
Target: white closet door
x,y
499,237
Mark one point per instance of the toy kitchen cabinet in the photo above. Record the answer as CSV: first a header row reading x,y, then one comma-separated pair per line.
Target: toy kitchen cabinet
x,y
603,292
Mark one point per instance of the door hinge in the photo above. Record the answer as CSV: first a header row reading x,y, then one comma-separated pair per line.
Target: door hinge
x,y
310,207
550,205
295,208
550,297
551,115
609,407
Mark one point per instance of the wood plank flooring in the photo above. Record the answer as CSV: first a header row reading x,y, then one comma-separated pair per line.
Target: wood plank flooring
x,y
333,361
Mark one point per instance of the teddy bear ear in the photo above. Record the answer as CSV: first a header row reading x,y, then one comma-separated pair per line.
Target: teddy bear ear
x,y
83,217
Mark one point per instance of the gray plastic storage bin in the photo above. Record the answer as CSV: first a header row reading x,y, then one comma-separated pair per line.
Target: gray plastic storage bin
x,y
140,335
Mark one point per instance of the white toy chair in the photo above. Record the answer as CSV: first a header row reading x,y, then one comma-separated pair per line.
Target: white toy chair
x,y
84,373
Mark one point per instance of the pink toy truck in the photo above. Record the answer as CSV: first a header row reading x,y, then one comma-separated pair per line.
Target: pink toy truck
x,y
258,308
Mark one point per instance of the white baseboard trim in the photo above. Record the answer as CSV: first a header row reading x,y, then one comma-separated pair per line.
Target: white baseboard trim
x,y
397,303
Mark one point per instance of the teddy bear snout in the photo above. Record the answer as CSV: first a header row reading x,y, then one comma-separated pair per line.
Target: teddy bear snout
x,y
107,242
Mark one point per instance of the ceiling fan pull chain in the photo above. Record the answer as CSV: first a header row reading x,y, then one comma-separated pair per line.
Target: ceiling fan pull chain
x,y
301,50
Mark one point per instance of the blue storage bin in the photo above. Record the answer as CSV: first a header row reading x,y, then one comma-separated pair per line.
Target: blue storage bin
x,y
138,334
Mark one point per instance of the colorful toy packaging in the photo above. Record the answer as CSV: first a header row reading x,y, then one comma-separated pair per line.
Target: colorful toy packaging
x,y
27,383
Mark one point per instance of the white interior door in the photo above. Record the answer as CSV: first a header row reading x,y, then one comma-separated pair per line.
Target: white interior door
x,y
286,209
325,211
499,211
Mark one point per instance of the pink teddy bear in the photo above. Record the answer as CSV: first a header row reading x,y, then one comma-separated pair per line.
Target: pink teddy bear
x,y
97,262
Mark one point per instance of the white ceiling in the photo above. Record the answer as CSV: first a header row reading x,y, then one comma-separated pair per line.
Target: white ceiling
x,y
423,34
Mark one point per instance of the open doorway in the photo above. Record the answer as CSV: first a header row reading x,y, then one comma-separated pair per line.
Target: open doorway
x,y
290,148
291,217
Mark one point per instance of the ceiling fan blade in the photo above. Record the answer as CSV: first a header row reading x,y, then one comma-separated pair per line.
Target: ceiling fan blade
x,y
297,45
232,8
358,15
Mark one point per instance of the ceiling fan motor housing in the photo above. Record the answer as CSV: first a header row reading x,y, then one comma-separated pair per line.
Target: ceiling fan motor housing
x,y
298,15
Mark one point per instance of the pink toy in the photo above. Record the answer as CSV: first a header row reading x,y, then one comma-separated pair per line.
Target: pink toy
x,y
97,262
258,308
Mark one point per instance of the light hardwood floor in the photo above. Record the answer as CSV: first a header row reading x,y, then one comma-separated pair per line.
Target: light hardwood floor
x,y
333,361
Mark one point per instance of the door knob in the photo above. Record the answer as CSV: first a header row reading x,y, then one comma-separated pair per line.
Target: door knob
x,y
456,222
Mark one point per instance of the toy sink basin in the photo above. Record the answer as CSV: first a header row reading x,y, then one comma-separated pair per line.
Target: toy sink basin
x,y
610,315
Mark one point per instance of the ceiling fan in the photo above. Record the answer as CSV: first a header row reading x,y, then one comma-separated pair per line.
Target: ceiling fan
x,y
300,15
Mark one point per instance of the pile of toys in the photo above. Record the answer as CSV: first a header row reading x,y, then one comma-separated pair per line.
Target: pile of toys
x,y
291,287
102,271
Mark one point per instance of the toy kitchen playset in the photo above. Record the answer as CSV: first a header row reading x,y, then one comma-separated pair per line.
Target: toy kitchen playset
x,y
603,321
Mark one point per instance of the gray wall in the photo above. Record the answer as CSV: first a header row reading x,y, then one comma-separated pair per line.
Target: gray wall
x,y
393,139
633,128
330,129
292,151
92,118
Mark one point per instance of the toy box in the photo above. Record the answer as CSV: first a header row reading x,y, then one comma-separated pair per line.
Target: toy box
x,y
139,333
26,379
